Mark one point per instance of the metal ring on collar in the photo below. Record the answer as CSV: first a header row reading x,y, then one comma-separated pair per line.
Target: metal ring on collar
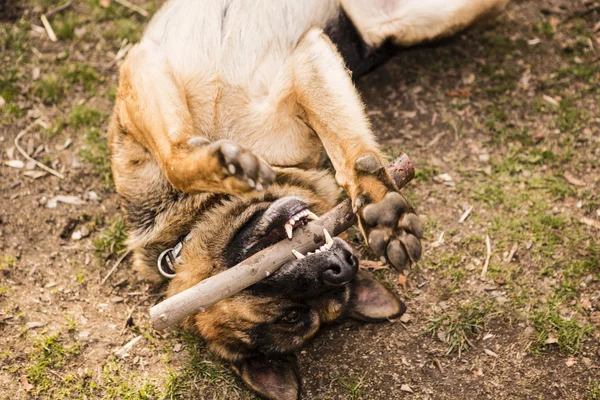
x,y
167,256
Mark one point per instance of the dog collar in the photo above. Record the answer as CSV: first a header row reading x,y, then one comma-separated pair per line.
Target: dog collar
x,y
168,259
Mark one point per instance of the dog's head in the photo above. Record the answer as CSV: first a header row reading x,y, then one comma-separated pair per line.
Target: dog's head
x,y
260,329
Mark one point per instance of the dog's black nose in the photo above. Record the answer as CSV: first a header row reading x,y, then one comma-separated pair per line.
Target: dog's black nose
x,y
341,265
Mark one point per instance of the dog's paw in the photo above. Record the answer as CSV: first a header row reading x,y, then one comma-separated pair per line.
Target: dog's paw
x,y
242,170
392,229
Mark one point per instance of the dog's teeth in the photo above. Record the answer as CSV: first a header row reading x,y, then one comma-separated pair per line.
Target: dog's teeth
x,y
289,229
231,169
259,187
328,238
312,216
251,183
317,251
298,255
309,253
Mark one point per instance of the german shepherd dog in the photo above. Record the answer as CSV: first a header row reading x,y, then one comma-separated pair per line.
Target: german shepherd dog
x,y
237,121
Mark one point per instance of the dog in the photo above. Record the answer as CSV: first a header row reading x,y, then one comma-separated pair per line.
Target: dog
x,y
237,121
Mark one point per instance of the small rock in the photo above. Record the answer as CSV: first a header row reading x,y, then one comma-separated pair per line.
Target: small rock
x,y
93,196
551,340
2,101
570,362
35,74
405,318
117,299
177,348
84,334
484,157
34,324
18,164
405,388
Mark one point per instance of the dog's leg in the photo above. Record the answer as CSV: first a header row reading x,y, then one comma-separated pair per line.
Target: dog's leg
x,y
330,104
408,22
152,107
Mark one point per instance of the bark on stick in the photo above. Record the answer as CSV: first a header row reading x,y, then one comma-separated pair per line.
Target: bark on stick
x,y
266,262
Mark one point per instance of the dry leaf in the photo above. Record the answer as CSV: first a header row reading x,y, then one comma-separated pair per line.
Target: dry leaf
x,y
490,353
590,222
402,281
572,180
550,100
586,303
405,318
25,383
35,174
406,388
551,340
372,265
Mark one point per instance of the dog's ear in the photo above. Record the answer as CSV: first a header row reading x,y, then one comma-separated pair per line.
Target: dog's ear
x,y
372,302
273,379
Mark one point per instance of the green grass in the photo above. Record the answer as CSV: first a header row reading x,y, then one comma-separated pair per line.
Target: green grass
x,y
593,390
49,355
570,334
111,240
199,373
354,385
95,152
84,116
49,89
460,327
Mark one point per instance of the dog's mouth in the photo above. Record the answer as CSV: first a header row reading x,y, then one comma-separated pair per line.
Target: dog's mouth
x,y
269,226
325,247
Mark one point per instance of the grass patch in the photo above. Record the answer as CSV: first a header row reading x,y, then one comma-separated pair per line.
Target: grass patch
x,y
569,334
84,116
48,89
111,241
459,328
354,385
593,390
199,374
49,354
95,152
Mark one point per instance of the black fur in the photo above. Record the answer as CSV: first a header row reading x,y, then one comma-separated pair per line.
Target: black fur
x,y
360,58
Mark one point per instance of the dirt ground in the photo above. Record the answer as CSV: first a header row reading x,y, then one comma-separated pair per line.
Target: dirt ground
x,y
503,124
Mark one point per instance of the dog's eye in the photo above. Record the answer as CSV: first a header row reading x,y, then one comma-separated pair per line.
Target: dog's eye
x,y
291,317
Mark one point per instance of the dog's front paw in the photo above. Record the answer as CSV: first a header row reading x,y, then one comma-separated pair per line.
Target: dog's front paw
x,y
391,228
242,170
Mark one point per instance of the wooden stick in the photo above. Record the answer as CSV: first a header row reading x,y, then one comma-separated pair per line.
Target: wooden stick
x,y
266,262
24,153
58,9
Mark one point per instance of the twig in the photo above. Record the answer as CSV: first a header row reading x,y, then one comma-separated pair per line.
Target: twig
x,y
114,267
24,154
512,253
48,27
488,246
59,9
438,364
133,7
465,215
